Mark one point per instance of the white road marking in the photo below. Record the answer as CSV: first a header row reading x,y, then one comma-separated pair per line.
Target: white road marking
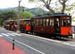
x,y
1,36
30,47
4,34
24,44
16,34
11,34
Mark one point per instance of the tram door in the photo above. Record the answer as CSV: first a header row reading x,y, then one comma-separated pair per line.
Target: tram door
x,y
57,24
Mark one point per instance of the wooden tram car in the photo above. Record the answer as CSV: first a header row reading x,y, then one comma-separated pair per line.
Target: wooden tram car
x,y
54,24
25,25
10,25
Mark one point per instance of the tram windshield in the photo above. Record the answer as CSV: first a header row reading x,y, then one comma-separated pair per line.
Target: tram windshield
x,y
66,21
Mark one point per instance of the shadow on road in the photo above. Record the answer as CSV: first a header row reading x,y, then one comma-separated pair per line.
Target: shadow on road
x,y
53,37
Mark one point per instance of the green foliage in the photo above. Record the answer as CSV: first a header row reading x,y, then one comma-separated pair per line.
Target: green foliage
x,y
40,12
73,19
1,21
37,12
73,5
26,14
32,0
68,9
6,14
49,4
71,11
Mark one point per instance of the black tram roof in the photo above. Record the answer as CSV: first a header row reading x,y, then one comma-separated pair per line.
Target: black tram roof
x,y
10,20
51,15
59,14
24,19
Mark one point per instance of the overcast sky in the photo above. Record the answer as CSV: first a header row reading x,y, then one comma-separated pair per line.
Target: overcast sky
x,y
14,3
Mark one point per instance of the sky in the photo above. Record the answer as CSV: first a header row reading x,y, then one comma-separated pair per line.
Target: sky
x,y
14,3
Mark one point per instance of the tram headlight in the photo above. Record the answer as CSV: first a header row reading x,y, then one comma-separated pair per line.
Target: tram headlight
x,y
70,32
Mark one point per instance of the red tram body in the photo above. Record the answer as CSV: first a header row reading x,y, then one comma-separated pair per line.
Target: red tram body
x,y
56,24
10,25
25,25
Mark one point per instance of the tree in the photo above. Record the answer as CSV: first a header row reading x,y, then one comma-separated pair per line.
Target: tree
x,y
48,5
5,15
1,21
71,10
63,3
8,14
26,14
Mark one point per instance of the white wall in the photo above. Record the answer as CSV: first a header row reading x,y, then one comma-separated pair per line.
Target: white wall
x,y
73,23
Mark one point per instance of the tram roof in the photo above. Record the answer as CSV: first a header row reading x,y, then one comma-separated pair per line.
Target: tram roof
x,y
51,15
59,14
9,20
24,19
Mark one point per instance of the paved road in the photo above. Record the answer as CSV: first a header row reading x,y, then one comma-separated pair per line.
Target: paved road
x,y
35,45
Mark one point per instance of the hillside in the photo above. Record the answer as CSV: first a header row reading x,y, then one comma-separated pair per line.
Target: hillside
x,y
34,11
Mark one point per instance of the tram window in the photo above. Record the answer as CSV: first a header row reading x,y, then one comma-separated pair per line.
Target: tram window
x,y
24,22
51,22
68,21
64,18
37,22
41,22
47,22
44,22
34,22
64,22
68,18
57,21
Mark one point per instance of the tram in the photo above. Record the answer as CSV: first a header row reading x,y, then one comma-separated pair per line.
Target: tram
x,y
54,24
58,24
10,25
25,25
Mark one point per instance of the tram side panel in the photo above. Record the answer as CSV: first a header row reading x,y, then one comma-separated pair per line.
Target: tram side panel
x,y
42,25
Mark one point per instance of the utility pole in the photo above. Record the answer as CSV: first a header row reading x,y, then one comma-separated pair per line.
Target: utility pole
x,y
19,12
19,9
